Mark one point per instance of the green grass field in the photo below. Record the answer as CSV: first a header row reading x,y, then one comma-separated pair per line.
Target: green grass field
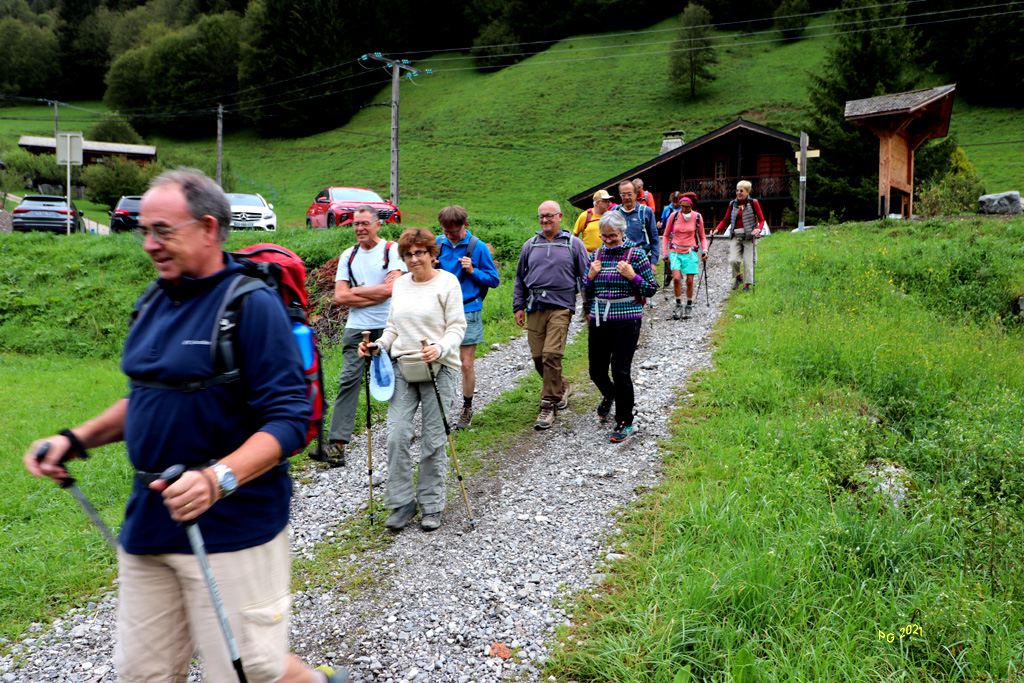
x,y
769,553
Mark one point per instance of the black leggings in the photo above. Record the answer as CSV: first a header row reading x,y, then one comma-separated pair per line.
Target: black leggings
x,y
614,343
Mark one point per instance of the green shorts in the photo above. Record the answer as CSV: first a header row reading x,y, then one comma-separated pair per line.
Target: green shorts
x,y
688,263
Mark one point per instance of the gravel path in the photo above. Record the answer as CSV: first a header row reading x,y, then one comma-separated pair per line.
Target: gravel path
x,y
544,532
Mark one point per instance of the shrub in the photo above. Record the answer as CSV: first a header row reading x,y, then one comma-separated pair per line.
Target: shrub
x,y
955,192
116,177
115,129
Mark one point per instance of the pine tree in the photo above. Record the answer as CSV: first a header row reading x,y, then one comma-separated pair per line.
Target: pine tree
x,y
867,60
694,56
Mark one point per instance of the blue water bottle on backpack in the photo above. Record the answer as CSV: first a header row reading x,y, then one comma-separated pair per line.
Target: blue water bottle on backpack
x,y
304,336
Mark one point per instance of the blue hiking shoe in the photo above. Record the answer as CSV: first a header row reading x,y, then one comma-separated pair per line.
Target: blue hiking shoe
x,y
339,676
622,432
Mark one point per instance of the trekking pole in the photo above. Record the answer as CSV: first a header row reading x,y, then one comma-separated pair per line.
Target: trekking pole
x,y
195,539
369,435
753,270
448,433
68,482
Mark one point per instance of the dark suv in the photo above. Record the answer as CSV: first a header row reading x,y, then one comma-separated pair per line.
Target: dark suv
x,y
41,212
125,216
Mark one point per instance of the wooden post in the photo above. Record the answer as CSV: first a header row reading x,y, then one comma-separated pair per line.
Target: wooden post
x,y
803,181
220,141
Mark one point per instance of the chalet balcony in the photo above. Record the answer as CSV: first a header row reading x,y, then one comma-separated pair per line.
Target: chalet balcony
x,y
719,189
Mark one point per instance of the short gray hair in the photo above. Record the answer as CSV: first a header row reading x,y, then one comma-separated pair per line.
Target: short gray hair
x,y
614,220
365,208
203,196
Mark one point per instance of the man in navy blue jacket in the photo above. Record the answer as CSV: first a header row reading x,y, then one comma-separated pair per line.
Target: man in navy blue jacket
x,y
234,438
477,273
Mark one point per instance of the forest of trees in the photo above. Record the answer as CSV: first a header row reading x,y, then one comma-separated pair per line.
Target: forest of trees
x,y
290,67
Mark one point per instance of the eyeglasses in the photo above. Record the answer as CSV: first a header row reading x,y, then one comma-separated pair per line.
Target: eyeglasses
x,y
419,253
362,224
159,232
610,235
548,216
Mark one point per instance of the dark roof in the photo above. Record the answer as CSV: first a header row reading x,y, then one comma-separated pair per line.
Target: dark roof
x,y
896,103
672,154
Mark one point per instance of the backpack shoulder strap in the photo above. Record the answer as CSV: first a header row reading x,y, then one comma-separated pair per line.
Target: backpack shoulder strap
x,y
222,339
142,303
387,252
473,240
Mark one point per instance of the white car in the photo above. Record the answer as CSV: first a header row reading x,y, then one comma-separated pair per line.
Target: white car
x,y
251,211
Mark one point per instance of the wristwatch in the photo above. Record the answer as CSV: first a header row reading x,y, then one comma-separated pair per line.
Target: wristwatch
x,y
226,479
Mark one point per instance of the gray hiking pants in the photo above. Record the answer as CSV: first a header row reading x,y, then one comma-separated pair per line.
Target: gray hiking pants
x,y
429,489
343,416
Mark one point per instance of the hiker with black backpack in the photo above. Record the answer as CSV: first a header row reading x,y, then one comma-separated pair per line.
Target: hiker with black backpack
x,y
620,277
366,273
467,258
227,437
684,238
641,227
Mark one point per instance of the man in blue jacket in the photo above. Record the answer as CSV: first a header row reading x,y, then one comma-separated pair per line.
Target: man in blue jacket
x,y
234,438
469,259
641,227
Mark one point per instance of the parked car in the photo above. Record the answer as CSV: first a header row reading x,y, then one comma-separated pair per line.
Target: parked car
x,y
334,206
40,212
252,211
125,216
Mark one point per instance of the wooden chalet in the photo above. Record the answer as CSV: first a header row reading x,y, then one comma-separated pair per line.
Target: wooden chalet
x,y
902,121
711,165
92,152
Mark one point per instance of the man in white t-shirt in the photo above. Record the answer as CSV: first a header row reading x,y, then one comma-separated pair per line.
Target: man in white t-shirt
x,y
366,273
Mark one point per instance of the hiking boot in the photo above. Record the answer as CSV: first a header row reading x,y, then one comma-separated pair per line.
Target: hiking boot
x,y
431,521
339,676
333,454
737,282
566,393
465,418
746,288
688,313
622,432
399,517
604,408
678,311
546,416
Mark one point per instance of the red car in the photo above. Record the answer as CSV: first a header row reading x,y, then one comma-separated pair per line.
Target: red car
x,y
334,206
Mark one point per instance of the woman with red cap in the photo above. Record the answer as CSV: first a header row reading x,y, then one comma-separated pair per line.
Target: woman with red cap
x,y
680,244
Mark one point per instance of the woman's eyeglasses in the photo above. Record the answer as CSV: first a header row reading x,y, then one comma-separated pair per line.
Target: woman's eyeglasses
x,y
419,253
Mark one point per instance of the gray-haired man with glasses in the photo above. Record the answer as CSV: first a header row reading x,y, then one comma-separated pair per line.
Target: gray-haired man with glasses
x,y
234,438
550,271
366,272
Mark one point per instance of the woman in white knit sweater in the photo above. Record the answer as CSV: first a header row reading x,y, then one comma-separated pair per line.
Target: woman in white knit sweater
x,y
426,304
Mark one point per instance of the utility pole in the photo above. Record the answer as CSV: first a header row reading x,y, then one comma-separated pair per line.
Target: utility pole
x,y
220,140
396,68
56,128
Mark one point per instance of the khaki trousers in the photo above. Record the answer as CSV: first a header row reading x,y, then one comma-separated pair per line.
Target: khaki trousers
x,y
547,333
164,613
741,253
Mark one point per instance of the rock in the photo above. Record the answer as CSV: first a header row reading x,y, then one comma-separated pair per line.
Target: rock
x,y
500,650
1007,203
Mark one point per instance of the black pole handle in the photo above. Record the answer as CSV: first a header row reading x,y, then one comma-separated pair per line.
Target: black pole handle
x,y
171,475
65,481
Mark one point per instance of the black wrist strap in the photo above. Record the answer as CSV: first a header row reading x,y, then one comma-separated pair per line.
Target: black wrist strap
x,y
77,447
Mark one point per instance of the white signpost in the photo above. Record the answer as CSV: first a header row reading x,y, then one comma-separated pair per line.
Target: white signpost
x,y
69,153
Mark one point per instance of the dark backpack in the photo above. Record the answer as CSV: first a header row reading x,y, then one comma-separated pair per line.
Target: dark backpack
x,y
264,265
352,257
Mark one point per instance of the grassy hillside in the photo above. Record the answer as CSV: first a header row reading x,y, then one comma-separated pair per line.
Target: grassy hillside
x,y
499,143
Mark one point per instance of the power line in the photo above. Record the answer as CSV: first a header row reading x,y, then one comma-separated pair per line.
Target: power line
x,y
660,30
741,44
986,144
726,38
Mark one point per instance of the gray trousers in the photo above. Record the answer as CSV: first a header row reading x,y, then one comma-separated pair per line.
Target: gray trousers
x,y
343,416
741,252
429,490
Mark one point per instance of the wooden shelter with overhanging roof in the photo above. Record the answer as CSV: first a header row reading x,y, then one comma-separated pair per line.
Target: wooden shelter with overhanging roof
x,y
902,121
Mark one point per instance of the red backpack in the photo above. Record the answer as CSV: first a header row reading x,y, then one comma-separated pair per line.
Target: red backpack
x,y
285,272
264,265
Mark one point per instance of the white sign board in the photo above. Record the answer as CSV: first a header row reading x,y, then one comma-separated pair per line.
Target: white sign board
x,y
69,149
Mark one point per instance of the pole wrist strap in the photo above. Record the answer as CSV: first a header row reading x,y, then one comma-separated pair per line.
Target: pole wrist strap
x,y
77,447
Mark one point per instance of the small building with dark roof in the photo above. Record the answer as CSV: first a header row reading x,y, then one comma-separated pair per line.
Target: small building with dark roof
x,y
92,152
711,165
902,121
